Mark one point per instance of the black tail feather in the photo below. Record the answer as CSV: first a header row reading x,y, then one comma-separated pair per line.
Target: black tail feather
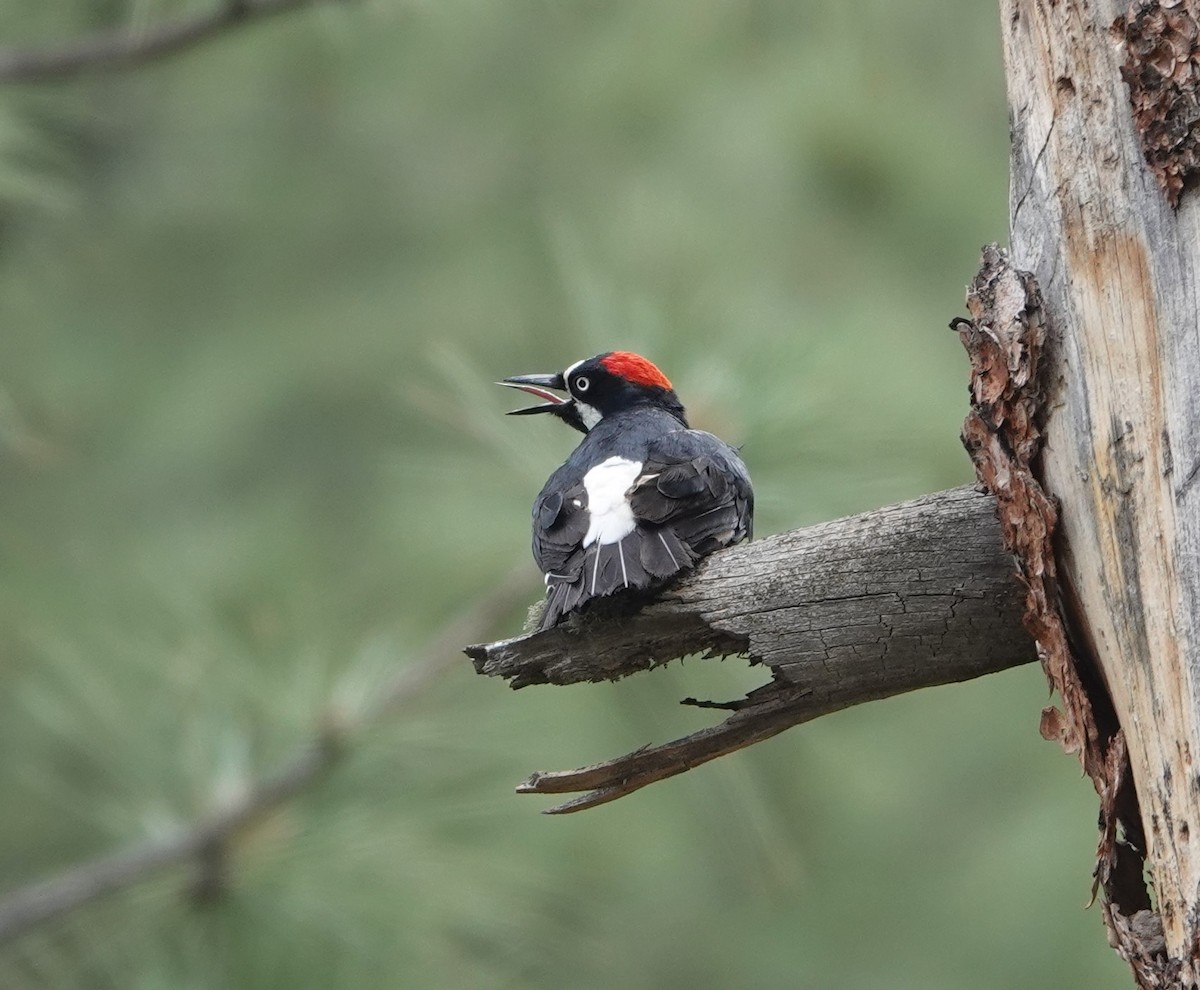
x,y
644,558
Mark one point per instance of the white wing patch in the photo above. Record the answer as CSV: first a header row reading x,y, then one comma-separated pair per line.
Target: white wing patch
x,y
610,517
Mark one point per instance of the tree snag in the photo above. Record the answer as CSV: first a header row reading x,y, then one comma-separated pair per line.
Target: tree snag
x,y
1097,170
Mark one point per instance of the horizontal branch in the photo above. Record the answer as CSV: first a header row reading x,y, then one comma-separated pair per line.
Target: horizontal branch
x,y
124,48
37,903
866,607
206,840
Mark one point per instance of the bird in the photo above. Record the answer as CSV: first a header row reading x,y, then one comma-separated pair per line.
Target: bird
x,y
641,498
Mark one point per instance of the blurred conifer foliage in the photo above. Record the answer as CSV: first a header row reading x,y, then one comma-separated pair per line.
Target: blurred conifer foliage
x,y
252,301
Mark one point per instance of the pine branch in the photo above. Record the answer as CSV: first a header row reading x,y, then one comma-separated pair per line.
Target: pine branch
x,y
206,840
109,51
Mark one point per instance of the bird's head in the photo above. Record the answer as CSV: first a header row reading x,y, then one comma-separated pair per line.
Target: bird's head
x,y
598,387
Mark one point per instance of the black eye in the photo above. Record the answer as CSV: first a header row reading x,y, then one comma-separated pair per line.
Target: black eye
x,y
582,384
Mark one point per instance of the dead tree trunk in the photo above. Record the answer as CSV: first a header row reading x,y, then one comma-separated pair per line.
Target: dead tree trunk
x,y
1104,106
1096,178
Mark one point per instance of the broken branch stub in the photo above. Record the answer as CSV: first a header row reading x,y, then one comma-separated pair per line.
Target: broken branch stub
x,y
854,610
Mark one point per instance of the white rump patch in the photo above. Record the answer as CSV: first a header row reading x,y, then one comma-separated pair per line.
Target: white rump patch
x,y
610,517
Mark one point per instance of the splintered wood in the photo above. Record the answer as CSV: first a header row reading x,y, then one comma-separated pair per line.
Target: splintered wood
x,y
907,596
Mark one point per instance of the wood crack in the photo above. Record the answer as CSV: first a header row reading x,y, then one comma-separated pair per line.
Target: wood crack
x,y
794,603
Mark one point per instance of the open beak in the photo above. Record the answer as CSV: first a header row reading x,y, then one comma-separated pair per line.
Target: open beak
x,y
539,386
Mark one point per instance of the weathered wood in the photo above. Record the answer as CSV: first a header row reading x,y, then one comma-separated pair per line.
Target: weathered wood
x,y
904,597
1118,269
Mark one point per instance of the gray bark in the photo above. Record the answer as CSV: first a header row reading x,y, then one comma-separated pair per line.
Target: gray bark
x,y
862,608
1118,269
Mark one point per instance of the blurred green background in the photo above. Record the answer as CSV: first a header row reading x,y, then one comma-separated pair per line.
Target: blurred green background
x,y
251,461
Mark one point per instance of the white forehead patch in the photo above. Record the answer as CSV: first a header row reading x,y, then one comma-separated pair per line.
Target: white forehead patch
x,y
567,373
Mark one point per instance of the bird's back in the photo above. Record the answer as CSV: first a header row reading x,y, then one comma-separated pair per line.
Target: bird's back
x,y
639,500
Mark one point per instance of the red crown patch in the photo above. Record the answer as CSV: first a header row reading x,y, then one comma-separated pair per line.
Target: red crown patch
x,y
635,368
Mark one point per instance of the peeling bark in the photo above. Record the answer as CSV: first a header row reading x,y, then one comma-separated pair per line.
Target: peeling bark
x,y
1005,339
1162,70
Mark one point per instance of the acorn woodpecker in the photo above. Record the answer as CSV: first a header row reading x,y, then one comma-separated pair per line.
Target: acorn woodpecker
x,y
641,498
